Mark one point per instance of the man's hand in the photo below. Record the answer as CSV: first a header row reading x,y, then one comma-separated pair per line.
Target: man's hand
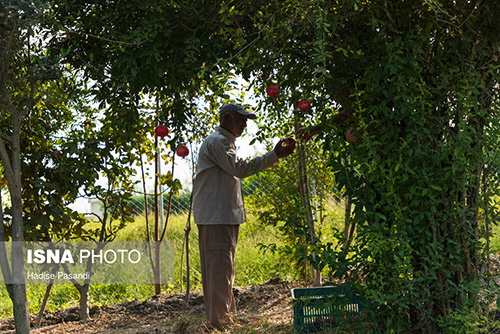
x,y
285,147
307,133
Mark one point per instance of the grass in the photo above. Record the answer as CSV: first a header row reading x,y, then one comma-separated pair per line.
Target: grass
x,y
252,267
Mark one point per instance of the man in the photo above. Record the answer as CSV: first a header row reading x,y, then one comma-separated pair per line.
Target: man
x,y
218,206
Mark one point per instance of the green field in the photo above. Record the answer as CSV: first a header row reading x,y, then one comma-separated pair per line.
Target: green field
x,y
252,267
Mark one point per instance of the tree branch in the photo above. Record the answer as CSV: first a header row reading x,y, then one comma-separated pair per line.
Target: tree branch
x,y
31,99
4,263
108,39
4,72
5,137
176,19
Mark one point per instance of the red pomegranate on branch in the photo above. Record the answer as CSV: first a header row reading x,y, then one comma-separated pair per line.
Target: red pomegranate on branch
x,y
161,131
273,91
304,105
182,151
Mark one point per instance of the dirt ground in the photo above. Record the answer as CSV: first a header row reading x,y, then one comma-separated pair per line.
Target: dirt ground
x,y
265,308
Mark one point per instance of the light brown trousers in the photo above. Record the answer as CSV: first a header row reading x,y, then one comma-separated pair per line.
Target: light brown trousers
x,y
217,244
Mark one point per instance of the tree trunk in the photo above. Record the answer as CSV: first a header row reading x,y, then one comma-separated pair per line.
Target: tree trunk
x,y
11,161
349,226
12,169
187,230
306,202
83,289
17,286
84,301
21,311
19,298
156,269
156,266
46,297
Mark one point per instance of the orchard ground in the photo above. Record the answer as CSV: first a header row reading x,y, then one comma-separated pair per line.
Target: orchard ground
x,y
263,308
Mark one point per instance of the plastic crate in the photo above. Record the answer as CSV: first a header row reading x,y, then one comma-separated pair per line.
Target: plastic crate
x,y
321,308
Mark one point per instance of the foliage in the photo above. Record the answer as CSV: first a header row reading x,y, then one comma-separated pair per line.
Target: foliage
x,y
277,203
420,81
167,52
419,78
63,143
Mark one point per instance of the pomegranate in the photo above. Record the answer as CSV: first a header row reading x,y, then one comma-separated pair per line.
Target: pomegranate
x,y
161,131
182,151
273,91
290,141
304,105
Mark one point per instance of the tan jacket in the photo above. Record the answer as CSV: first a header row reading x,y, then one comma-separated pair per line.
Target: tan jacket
x,y
217,193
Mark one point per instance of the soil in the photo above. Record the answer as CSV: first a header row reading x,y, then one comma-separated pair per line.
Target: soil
x,y
265,308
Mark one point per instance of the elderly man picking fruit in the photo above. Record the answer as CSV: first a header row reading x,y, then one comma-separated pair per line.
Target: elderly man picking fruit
x,y
218,206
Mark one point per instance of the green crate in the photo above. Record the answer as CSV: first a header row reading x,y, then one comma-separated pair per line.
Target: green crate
x,y
321,308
